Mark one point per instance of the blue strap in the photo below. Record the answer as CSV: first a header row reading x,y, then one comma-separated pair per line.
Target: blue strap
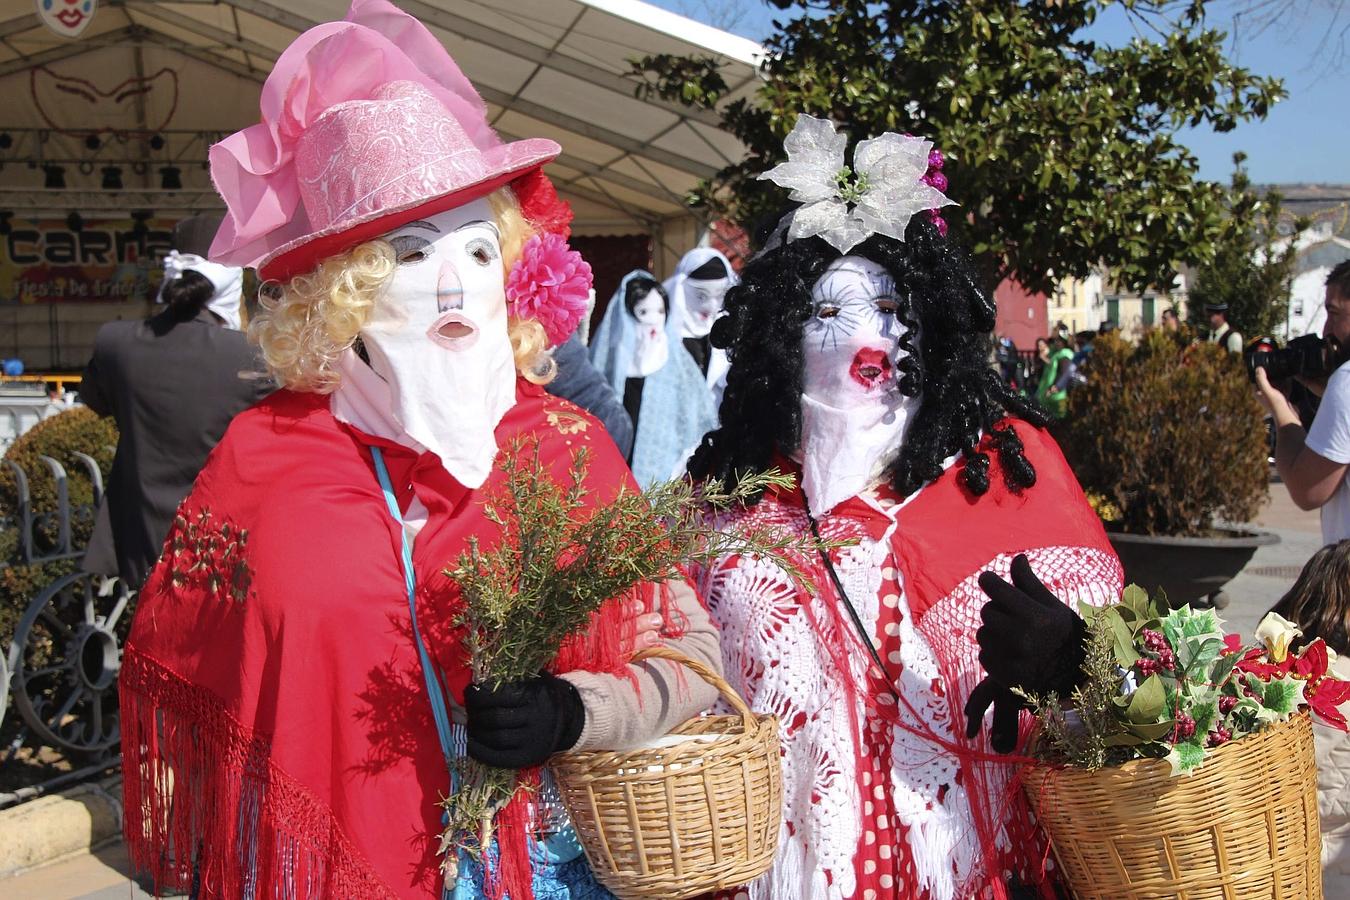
x,y
429,673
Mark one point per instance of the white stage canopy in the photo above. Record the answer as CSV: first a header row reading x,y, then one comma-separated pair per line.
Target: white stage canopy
x,y
148,86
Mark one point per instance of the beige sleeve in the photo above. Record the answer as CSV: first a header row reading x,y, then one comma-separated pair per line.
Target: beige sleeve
x,y
621,715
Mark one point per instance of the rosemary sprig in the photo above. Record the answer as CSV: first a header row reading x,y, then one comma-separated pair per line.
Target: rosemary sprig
x,y
560,558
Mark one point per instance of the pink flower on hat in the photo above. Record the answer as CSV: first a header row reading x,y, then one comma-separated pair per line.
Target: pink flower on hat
x,y
550,283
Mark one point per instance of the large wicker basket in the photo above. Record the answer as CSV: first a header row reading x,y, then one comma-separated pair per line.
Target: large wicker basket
x,y
682,820
1242,827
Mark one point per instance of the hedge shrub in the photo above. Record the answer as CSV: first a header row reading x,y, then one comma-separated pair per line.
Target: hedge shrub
x,y
1170,434
77,430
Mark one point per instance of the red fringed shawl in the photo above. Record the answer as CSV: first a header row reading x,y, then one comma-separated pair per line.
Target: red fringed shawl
x,y
275,724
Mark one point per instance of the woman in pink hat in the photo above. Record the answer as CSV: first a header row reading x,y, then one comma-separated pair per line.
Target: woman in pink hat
x,y
294,686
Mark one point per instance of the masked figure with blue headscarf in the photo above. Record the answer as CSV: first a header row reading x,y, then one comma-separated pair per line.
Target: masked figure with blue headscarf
x,y
637,348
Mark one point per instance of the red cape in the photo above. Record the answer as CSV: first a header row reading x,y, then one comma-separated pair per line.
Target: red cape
x,y
274,710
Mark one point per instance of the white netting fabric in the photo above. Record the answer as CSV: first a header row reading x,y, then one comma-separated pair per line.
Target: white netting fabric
x,y
838,793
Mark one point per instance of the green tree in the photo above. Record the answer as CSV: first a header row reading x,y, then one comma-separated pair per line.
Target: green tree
x,y
1249,271
1063,153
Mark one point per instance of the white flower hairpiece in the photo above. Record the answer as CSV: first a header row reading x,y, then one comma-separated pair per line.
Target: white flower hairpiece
x,y
879,195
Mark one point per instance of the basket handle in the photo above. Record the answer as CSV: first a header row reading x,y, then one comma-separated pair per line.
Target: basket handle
x,y
707,674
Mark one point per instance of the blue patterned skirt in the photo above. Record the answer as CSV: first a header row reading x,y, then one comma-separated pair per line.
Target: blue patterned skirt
x,y
561,872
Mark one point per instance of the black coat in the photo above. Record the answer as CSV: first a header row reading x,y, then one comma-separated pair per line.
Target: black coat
x,y
173,389
578,382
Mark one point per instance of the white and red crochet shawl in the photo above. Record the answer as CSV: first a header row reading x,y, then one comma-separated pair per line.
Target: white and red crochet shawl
x,y
882,799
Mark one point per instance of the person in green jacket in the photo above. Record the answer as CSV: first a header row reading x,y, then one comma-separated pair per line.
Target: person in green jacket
x,y
1052,391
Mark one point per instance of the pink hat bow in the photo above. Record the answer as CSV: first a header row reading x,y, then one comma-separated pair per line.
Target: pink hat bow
x,y
366,124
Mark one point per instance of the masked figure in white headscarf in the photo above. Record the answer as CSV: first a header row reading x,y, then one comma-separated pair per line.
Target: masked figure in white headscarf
x,y
696,291
637,350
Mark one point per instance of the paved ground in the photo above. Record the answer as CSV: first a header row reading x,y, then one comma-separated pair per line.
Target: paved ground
x,y
103,875
1273,569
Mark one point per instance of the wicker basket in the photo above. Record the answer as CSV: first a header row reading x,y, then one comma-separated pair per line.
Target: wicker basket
x,y
683,820
1241,827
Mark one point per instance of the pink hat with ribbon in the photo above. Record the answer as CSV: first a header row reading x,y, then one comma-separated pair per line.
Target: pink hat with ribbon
x,y
367,124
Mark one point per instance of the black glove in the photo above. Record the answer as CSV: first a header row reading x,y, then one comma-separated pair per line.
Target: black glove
x,y
1029,640
522,723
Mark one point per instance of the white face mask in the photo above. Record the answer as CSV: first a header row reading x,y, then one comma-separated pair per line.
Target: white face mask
x,y
651,349
438,338
650,310
703,304
853,417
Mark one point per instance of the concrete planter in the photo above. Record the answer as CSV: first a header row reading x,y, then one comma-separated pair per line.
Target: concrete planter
x,y
1190,570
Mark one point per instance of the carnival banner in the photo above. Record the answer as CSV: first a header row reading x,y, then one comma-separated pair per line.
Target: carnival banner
x,y
102,261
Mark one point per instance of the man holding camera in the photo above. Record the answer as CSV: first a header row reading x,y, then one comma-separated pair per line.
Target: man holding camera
x,y
1313,464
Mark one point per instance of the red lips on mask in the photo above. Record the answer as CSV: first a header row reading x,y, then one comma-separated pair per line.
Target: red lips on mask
x,y
871,368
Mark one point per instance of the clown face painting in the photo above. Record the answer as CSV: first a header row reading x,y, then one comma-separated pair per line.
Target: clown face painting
x,y
67,18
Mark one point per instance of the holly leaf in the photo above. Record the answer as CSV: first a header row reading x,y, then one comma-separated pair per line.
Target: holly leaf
x,y
1196,654
1186,757
1204,623
1206,713
1283,696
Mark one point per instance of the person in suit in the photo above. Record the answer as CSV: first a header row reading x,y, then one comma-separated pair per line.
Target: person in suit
x,y
172,382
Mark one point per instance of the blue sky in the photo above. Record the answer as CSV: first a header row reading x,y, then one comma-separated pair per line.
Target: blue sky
x,y
1304,139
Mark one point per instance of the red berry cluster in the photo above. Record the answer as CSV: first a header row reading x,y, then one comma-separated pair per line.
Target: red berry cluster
x,y
1154,640
1164,660
1185,728
1226,704
1220,735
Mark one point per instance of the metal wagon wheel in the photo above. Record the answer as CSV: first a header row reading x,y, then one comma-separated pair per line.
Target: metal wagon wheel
x,y
4,687
64,661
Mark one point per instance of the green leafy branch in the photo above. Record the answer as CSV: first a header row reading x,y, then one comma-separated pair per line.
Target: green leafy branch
x,y
561,556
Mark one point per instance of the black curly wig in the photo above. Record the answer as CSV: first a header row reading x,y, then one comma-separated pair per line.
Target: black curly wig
x,y
962,396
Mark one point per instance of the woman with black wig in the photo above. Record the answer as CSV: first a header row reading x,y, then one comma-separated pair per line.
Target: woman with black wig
x,y
859,342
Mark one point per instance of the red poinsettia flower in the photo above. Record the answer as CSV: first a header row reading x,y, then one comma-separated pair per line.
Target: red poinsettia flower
x,y
1324,696
1232,643
1312,662
1258,663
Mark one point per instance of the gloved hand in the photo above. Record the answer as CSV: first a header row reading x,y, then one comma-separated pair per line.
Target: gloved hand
x,y
1029,640
522,723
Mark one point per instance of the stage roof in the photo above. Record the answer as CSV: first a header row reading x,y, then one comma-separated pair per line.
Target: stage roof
x,y
190,72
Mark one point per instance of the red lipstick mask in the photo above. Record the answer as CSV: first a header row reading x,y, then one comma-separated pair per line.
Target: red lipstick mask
x,y
853,416
852,340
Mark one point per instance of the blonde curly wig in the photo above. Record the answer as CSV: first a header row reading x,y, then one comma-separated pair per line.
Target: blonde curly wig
x,y
305,325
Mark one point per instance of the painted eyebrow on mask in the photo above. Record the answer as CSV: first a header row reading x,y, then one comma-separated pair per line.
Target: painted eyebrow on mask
x,y
423,223
492,225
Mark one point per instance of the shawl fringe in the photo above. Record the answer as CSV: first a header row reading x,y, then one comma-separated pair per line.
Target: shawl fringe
x,y
201,794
